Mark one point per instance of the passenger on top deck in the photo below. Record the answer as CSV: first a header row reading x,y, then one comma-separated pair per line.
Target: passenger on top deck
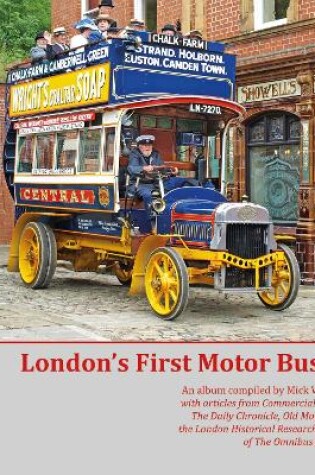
x,y
103,22
136,25
169,30
60,37
105,7
85,26
42,50
115,32
194,34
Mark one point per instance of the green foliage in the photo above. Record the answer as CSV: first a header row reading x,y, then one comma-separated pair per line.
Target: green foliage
x,y
20,21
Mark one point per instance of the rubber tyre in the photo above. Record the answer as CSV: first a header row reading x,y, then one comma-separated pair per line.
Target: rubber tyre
x,y
124,275
166,283
286,283
37,255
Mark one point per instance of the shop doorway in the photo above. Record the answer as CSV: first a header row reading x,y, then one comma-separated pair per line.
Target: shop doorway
x,y
273,146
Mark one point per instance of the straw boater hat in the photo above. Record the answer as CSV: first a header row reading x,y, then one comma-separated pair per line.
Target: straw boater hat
x,y
135,22
59,31
194,34
104,17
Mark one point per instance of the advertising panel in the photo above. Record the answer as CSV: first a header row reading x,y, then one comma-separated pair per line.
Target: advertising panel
x,y
66,91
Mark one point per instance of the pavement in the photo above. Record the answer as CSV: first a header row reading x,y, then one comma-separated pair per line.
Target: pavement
x,y
95,307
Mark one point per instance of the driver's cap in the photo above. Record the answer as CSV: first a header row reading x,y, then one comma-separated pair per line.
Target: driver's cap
x,y
145,139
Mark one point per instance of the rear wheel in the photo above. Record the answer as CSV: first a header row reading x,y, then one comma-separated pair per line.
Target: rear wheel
x,y
166,283
37,255
123,272
285,283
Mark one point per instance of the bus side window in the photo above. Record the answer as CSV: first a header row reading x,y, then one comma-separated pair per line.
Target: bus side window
x,y
89,151
26,153
109,149
66,149
45,151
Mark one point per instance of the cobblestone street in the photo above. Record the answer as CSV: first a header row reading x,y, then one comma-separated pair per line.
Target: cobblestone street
x,y
82,306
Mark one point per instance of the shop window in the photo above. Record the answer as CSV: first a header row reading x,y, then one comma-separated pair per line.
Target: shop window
x,y
26,153
66,152
146,10
89,151
273,144
109,149
268,13
45,148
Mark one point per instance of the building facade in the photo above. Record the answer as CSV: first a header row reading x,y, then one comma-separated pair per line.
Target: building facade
x,y
271,151
6,202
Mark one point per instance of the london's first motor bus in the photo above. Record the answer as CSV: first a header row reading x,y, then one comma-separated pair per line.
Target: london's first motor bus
x,y
71,126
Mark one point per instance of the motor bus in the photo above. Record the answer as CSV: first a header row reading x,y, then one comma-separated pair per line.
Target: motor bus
x,y
71,126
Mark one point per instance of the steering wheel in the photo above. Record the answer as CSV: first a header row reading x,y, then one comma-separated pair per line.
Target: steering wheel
x,y
160,171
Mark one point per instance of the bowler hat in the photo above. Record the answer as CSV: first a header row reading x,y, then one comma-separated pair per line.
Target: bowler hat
x,y
169,27
106,3
114,28
40,34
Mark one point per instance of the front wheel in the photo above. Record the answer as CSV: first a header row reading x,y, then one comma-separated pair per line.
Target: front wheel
x,y
166,283
285,283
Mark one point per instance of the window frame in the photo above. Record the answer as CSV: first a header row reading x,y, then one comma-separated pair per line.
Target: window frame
x,y
287,118
17,158
100,159
84,10
76,150
258,13
35,159
140,10
104,148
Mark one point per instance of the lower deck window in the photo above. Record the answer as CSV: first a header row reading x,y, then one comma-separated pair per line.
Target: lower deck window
x,y
89,151
66,152
109,149
26,153
45,151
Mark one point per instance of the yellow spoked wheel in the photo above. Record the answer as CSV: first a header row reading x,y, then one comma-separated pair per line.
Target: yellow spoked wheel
x,y
166,283
123,272
37,255
285,283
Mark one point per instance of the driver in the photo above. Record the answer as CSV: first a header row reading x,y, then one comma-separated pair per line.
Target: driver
x,y
143,160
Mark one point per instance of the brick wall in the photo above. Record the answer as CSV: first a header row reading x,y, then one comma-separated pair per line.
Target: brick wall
x,y
222,18
6,202
169,11
224,23
62,15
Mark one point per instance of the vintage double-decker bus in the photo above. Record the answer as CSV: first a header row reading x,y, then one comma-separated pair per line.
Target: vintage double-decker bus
x,y
71,126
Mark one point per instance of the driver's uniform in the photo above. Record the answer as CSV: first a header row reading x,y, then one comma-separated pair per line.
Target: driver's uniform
x,y
135,167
